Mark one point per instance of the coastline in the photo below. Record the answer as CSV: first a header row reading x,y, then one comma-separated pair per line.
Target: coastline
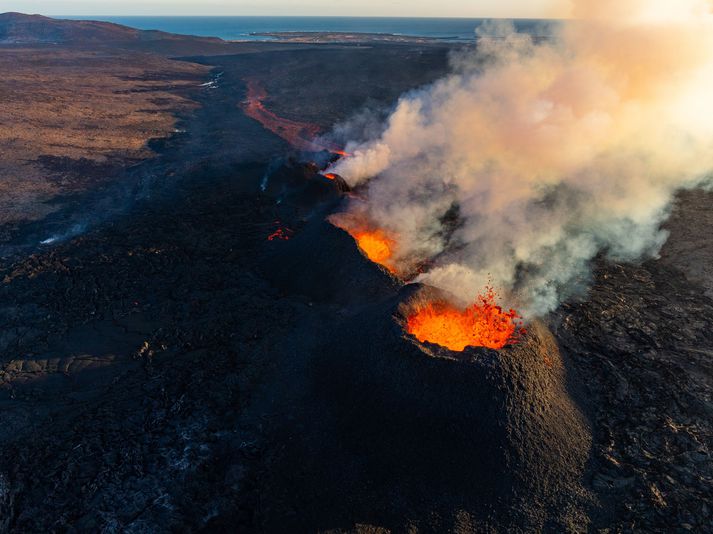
x,y
348,37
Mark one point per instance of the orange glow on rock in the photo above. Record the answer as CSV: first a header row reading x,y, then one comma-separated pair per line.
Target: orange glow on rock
x,y
483,324
301,135
282,234
340,152
330,176
377,246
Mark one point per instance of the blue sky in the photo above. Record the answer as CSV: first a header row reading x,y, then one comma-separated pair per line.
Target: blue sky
x,y
402,8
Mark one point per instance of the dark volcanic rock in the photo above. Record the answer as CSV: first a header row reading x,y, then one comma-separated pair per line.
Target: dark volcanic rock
x,y
641,343
407,432
322,263
302,187
172,370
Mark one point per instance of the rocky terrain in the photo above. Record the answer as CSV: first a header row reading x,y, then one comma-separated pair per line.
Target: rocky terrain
x,y
165,367
19,28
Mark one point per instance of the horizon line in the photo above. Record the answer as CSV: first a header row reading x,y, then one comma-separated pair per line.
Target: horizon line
x,y
293,16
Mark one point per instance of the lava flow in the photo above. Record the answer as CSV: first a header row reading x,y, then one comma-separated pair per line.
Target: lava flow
x,y
377,246
301,135
483,324
281,233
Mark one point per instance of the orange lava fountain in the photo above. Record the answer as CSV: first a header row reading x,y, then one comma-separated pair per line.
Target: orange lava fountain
x,y
377,246
483,324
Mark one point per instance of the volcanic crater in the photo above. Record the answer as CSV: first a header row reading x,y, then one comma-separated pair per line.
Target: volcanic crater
x,y
386,405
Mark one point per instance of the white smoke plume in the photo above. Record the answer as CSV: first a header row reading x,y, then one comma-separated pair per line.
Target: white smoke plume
x,y
549,152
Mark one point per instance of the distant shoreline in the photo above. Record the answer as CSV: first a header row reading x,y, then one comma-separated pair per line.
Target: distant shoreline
x,y
239,29
346,37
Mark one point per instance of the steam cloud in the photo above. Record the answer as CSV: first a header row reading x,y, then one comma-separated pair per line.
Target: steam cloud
x,y
549,152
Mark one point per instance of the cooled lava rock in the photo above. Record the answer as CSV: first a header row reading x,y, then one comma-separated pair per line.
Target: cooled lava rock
x,y
302,185
153,380
487,437
323,263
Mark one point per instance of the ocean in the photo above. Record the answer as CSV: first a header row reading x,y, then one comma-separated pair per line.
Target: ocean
x,y
246,28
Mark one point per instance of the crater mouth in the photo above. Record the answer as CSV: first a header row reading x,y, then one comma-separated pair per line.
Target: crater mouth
x,y
431,317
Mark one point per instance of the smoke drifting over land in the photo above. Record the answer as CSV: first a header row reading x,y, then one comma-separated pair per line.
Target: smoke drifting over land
x,y
549,152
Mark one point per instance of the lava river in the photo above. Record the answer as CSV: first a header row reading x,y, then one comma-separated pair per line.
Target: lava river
x,y
301,135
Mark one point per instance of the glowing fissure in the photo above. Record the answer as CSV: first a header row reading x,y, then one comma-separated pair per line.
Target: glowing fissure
x,y
376,245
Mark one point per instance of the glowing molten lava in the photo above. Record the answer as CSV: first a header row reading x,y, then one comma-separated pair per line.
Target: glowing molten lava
x,y
484,324
377,246
330,176
281,233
